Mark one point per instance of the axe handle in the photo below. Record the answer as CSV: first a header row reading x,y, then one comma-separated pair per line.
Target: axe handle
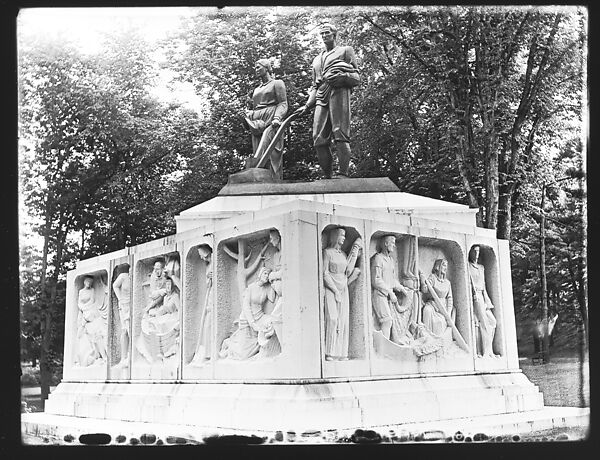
x,y
263,159
442,309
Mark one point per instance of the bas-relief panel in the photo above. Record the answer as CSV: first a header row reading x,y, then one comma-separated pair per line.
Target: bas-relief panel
x,y
419,290
156,329
419,306
90,344
199,306
485,293
343,287
119,343
250,299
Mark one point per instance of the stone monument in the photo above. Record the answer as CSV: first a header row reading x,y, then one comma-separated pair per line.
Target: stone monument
x,y
333,304
337,304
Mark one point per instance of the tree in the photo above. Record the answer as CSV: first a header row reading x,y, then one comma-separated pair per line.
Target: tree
x,y
475,84
97,159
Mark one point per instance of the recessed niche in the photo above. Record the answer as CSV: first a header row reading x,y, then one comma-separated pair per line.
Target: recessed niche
x,y
487,258
156,317
119,338
249,266
91,323
343,276
430,250
198,302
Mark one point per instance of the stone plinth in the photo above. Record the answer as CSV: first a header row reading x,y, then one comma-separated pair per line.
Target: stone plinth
x,y
301,406
292,383
374,194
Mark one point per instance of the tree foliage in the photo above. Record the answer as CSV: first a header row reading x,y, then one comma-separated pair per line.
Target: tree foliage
x,y
97,163
459,96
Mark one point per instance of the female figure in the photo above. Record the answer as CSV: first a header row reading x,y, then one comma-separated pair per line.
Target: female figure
x,y
160,326
339,270
269,106
203,350
434,320
91,326
253,324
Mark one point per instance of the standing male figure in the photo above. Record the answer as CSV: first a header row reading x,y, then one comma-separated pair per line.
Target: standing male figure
x,y
122,289
393,317
335,73
482,304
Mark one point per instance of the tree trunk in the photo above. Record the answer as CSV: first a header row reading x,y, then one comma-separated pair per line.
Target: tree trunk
x,y
491,188
581,294
504,215
508,194
543,295
44,326
45,366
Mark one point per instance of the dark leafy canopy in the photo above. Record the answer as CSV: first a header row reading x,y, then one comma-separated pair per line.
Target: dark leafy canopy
x,y
99,163
460,95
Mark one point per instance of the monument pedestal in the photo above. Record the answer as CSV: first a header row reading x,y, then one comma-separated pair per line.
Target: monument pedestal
x,y
320,405
381,383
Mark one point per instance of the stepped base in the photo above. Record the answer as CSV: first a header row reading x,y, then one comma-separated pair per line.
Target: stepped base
x,y
322,405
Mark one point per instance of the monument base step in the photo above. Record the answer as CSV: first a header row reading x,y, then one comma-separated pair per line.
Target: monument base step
x,y
58,427
301,406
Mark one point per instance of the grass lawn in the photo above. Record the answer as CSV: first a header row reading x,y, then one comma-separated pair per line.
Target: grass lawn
x,y
564,381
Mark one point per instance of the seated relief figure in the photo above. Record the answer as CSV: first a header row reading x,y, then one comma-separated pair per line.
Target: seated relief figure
x,y
245,272
392,315
482,304
91,325
255,327
269,106
438,311
433,317
271,345
203,349
160,321
339,271
122,290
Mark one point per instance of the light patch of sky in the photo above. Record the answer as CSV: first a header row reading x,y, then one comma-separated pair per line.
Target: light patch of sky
x,y
87,26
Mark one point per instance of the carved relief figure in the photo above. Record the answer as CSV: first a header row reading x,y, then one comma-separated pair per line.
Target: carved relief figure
x,y
392,314
271,345
482,304
339,270
335,73
160,325
156,284
438,310
160,320
433,319
203,350
269,106
122,289
91,325
243,272
272,260
255,327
